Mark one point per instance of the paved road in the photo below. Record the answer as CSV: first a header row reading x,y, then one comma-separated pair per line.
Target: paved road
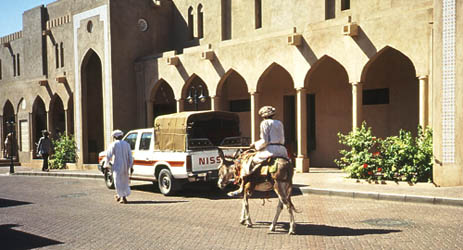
x,y
70,213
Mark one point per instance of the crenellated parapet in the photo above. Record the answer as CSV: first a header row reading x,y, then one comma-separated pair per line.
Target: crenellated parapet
x,y
5,40
55,22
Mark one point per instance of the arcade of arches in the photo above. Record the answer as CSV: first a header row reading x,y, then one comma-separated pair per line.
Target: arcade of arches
x,y
387,97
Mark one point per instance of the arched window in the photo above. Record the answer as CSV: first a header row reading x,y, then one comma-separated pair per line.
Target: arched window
x,y
258,13
14,65
190,23
200,21
56,56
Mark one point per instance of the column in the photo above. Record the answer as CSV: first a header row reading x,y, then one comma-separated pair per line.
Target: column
x,y
423,81
302,162
254,116
180,105
215,103
357,99
49,122
149,114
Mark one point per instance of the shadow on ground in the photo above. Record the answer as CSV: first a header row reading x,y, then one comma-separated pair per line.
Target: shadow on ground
x,y
13,239
323,230
207,190
11,203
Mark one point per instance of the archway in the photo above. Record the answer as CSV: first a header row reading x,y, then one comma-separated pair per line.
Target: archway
x,y
70,117
39,121
329,110
162,100
233,96
196,95
276,88
8,115
58,117
390,93
92,108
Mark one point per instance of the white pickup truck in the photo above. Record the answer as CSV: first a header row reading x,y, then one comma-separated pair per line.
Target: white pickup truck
x,y
180,148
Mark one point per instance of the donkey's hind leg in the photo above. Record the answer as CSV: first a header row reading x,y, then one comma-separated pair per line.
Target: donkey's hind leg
x,y
283,190
277,215
245,217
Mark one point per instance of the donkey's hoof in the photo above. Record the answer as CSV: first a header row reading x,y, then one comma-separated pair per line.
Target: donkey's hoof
x,y
291,232
272,228
242,222
249,225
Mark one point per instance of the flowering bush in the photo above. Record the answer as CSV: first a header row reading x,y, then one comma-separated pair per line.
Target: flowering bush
x,y
64,151
399,157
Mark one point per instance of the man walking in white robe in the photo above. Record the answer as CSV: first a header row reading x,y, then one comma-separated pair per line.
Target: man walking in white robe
x,y
122,164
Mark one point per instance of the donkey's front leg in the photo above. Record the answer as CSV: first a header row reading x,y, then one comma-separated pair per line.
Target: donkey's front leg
x,y
277,215
245,217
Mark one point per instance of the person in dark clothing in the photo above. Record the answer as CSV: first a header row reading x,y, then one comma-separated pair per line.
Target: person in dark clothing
x,y
44,149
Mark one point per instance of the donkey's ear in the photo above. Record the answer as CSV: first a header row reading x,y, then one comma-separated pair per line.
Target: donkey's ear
x,y
221,155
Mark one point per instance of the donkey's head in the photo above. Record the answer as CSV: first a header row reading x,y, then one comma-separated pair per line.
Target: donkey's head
x,y
227,169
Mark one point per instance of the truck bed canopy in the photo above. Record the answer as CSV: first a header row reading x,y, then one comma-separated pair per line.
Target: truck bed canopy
x,y
173,131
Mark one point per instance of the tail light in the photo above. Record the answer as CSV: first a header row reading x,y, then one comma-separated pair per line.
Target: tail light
x,y
188,163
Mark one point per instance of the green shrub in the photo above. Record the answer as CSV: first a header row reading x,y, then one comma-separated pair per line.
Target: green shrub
x,y
401,157
64,151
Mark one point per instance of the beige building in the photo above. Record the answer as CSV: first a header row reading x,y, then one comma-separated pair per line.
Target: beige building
x,y
88,67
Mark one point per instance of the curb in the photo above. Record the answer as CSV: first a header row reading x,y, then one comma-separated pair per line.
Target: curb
x,y
58,174
384,196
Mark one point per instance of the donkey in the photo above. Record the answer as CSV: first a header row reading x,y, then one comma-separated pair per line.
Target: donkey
x,y
280,181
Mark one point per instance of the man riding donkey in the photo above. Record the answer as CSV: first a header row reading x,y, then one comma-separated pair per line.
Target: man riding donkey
x,y
270,145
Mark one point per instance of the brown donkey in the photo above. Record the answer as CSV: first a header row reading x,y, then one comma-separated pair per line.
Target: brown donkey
x,y
281,182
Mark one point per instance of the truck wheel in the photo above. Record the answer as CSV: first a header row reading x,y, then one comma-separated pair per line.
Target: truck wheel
x,y
108,179
166,182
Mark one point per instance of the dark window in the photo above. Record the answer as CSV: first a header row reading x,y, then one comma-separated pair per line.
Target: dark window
x,y
330,9
200,21
375,96
56,56
311,143
18,65
14,65
345,4
258,13
226,20
131,139
240,105
0,69
190,23
145,141
62,54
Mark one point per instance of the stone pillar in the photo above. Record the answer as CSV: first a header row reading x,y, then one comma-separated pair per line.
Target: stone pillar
x,y
180,105
49,122
215,103
357,100
254,116
149,114
66,122
302,162
423,81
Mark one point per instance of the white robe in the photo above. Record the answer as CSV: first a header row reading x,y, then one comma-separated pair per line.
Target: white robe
x,y
123,161
271,132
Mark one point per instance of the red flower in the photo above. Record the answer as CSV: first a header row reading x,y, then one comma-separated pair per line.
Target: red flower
x,y
380,169
373,138
370,173
365,165
376,154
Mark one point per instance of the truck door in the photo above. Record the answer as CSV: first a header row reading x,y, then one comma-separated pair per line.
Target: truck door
x,y
145,165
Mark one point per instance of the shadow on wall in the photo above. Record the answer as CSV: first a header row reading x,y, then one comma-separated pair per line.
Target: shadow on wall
x,y
365,43
180,36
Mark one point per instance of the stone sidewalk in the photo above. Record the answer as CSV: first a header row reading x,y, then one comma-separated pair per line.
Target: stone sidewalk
x,y
322,181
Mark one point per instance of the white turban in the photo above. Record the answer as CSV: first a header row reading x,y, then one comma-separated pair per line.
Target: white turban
x,y
117,133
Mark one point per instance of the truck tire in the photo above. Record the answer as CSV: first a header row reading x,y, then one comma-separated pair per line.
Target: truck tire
x,y
108,179
167,184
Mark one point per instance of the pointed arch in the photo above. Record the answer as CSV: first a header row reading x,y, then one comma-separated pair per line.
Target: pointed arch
x,y
233,95
8,115
275,87
390,93
190,23
39,120
200,21
385,53
329,110
162,100
58,116
196,94
92,106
